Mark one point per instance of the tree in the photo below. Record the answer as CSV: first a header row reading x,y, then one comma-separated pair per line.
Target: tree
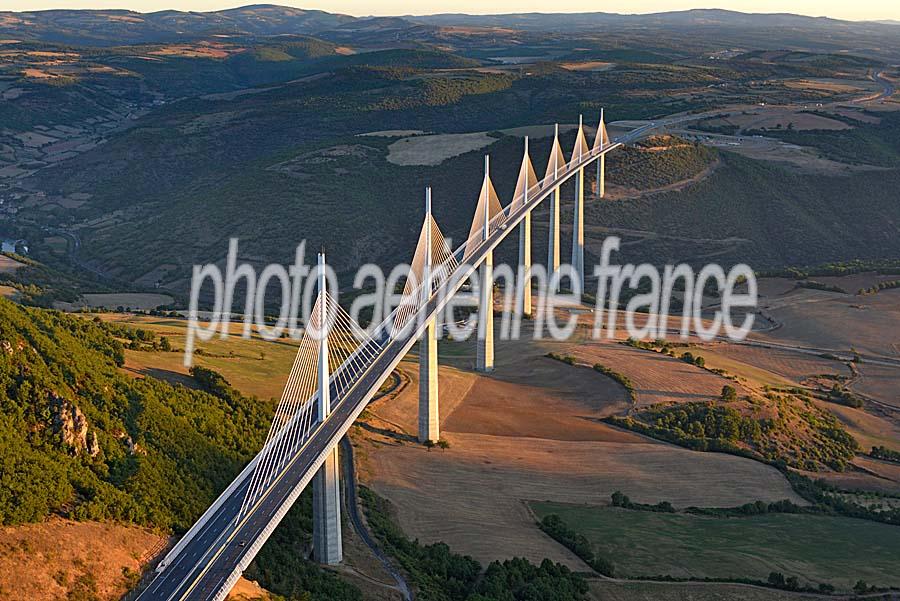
x,y
165,345
443,444
776,579
729,394
429,444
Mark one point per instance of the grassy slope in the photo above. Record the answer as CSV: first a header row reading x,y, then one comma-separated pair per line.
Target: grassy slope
x,y
643,543
774,216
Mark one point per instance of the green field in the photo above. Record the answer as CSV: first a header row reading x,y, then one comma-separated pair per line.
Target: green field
x,y
814,548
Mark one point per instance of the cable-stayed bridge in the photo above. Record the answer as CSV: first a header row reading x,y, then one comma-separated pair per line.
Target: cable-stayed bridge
x,y
339,367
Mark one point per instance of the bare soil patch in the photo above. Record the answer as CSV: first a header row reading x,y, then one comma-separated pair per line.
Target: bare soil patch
x,y
248,590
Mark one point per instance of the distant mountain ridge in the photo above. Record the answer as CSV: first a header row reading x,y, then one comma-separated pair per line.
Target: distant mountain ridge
x,y
110,27
104,27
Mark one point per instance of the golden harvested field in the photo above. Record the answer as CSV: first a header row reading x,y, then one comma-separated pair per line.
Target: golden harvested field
x,y
775,367
884,469
657,378
587,66
879,382
830,320
514,438
825,85
59,558
868,429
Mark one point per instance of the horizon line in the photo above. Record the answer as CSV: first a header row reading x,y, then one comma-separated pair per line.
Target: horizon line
x,y
885,20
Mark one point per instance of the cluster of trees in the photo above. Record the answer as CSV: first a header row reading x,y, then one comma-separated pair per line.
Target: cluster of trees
x,y
646,169
283,566
659,345
618,499
840,395
795,432
567,359
442,91
707,420
138,338
887,285
814,285
697,360
886,454
682,438
441,575
575,542
827,498
621,378
748,509
882,266
729,394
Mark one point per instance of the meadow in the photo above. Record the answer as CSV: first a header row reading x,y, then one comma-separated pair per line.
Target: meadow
x,y
647,544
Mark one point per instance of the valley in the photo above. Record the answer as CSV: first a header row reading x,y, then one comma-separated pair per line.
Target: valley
x,y
134,146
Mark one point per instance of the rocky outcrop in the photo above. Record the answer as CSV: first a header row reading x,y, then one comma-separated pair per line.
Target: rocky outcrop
x,y
71,424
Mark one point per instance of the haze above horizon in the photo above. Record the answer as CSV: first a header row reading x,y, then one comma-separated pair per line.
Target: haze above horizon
x,y
860,11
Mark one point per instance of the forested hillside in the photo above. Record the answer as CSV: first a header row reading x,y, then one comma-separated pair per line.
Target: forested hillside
x,y
79,438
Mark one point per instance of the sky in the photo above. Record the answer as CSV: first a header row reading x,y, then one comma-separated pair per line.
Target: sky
x,y
840,9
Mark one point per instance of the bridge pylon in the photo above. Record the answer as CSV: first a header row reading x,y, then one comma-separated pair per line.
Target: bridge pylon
x,y
578,153
554,166
601,141
525,185
327,546
429,413
484,352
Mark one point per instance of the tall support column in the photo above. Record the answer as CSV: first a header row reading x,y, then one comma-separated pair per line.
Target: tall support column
x,y
484,353
524,305
553,243
601,176
429,416
327,546
578,229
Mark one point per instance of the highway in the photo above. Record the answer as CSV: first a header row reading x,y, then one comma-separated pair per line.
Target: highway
x,y
212,559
